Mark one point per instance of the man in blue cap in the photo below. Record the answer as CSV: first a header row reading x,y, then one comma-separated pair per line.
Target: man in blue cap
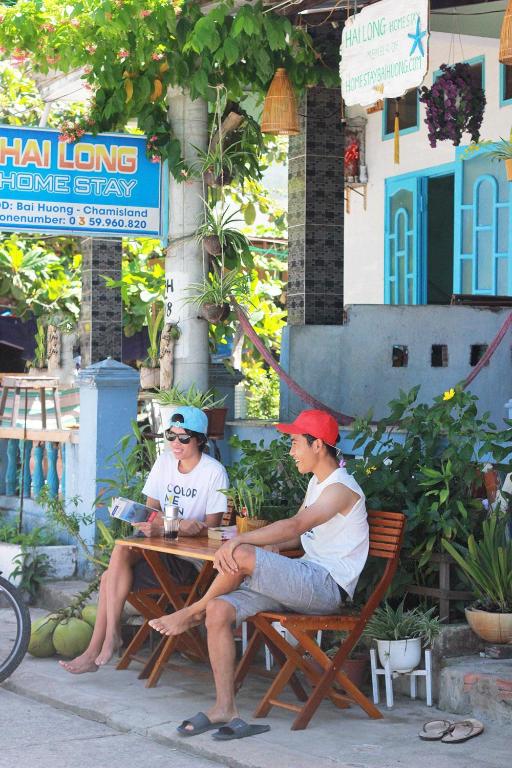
x,y
184,476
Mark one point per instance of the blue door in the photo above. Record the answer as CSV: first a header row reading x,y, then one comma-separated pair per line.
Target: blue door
x,y
403,282
483,231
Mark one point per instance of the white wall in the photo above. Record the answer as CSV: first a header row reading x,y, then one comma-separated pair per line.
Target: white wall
x,y
364,230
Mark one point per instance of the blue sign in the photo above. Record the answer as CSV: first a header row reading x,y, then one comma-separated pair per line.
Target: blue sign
x,y
101,185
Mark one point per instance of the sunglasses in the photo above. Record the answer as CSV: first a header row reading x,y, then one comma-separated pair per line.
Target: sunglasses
x,y
172,436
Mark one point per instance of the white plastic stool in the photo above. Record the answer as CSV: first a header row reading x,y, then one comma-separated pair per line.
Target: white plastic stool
x,y
389,675
269,659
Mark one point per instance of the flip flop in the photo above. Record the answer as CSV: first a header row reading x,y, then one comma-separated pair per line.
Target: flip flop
x,y
435,729
200,724
238,729
463,730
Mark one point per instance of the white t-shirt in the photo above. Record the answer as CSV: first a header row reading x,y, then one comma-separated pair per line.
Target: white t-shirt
x,y
197,493
341,544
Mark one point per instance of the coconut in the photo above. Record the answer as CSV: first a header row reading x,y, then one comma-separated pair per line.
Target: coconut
x,y
89,613
71,637
41,636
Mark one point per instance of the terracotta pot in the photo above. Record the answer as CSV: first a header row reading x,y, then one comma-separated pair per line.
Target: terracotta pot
x,y
508,168
215,313
223,179
246,524
212,245
356,669
216,422
149,378
493,627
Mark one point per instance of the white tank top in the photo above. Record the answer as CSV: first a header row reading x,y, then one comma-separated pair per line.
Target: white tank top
x,y
341,544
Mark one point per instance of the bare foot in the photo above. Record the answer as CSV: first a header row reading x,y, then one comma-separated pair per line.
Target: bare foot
x,y
83,663
109,648
177,623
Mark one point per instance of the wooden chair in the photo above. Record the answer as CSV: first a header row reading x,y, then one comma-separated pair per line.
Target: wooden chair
x,y
324,674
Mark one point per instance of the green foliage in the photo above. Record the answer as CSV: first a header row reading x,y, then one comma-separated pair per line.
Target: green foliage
x,y
427,460
142,281
41,277
247,496
39,536
219,287
135,49
263,397
39,360
32,568
233,243
389,623
129,466
270,474
487,564
191,396
154,322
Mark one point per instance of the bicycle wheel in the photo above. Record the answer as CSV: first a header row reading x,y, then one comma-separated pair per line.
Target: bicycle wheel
x,y
14,628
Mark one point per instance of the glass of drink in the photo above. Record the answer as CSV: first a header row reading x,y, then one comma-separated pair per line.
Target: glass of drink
x,y
171,521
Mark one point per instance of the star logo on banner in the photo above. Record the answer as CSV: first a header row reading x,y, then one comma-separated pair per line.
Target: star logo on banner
x,y
417,38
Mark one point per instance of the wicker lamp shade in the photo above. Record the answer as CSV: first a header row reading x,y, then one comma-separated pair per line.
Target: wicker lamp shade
x,y
280,116
505,55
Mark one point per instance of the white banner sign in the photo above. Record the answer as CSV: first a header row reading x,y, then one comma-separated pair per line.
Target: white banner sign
x,y
384,51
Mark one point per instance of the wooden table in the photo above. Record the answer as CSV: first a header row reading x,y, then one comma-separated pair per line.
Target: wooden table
x,y
172,595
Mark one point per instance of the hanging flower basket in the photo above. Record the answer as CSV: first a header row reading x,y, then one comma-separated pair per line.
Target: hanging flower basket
x,y
455,105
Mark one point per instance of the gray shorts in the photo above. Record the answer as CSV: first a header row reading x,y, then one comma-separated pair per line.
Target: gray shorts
x,y
283,584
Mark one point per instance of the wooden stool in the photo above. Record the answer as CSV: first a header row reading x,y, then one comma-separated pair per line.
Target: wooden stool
x,y
38,384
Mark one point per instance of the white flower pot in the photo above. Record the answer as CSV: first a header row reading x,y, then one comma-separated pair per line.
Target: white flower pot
x,y
403,655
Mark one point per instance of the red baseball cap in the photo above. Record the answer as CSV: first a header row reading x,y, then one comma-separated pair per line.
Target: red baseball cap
x,y
315,423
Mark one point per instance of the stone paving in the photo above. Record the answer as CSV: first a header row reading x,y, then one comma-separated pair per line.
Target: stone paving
x,y
334,739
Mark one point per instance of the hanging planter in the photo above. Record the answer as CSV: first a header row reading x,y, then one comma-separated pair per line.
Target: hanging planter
x,y
455,105
280,115
505,54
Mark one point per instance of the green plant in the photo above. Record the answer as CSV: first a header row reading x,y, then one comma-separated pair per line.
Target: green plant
x,y
231,241
219,162
135,49
271,470
247,496
427,460
389,623
191,396
487,564
218,288
39,536
39,360
154,321
502,150
31,568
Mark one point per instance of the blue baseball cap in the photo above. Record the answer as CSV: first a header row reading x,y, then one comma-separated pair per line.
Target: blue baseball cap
x,y
193,419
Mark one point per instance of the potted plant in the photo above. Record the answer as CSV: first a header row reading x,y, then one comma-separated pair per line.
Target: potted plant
x,y
218,164
38,363
357,664
454,104
487,563
150,368
218,236
247,498
503,151
400,635
214,294
170,400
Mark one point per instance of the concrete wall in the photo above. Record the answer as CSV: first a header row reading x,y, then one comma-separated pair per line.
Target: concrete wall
x,y
349,367
364,230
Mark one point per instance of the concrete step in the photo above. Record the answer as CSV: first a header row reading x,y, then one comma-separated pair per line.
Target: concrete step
x,y
476,686
54,595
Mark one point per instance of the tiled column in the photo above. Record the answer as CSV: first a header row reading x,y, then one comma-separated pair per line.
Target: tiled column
x,y
316,210
101,330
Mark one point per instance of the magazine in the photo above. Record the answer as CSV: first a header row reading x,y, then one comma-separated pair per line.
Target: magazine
x,y
131,511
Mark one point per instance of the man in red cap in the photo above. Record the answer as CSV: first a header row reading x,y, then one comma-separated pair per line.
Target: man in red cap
x,y
332,528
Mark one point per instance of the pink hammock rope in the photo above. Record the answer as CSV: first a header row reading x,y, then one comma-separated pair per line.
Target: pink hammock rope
x,y
342,418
